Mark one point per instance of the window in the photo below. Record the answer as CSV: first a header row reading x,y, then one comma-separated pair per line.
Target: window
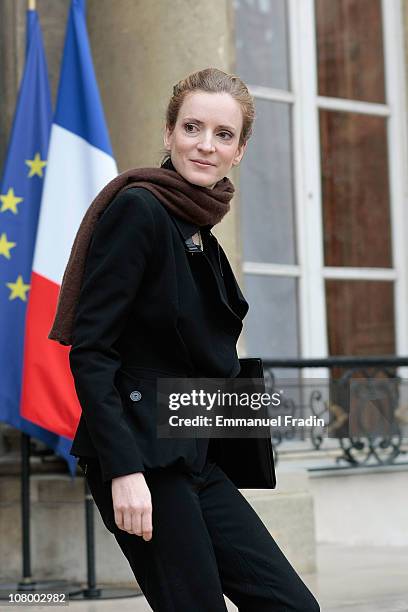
x,y
322,181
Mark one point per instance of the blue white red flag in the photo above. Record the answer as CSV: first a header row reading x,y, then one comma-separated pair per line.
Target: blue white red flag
x,y
80,163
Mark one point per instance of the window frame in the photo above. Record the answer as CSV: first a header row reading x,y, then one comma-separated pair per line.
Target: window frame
x,y
305,105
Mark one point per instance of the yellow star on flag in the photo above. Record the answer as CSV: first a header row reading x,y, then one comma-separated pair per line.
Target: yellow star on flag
x,y
5,246
9,201
18,289
36,165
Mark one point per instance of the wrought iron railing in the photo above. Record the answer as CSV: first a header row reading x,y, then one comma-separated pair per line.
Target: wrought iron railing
x,y
360,400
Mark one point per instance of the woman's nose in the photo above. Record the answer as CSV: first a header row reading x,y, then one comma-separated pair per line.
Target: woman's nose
x,y
206,144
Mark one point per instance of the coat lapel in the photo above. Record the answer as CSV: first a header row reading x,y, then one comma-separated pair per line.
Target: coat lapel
x,y
235,308
240,305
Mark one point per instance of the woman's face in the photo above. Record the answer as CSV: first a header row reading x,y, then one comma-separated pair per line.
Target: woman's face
x,y
207,130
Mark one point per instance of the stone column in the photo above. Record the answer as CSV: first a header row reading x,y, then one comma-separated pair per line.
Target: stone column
x,y
141,49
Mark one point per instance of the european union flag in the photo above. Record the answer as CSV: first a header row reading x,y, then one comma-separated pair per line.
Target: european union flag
x,y
20,197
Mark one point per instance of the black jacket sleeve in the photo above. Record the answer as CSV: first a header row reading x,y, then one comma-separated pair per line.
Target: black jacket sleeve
x,y
118,256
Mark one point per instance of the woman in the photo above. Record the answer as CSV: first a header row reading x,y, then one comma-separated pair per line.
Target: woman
x,y
155,296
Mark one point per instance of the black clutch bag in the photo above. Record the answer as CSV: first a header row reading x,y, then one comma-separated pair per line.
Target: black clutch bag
x,y
248,462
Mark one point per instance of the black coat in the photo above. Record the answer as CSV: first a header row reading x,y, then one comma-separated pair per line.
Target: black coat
x,y
150,305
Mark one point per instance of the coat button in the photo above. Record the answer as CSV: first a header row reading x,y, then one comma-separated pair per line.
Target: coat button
x,y
135,396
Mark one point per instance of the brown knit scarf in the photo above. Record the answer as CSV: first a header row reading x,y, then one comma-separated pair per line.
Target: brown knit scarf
x,y
199,205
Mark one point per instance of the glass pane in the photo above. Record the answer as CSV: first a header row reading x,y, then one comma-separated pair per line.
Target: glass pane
x,y
360,317
271,325
350,59
261,42
266,187
356,207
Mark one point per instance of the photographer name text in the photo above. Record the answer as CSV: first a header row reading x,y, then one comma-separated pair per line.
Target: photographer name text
x,y
222,421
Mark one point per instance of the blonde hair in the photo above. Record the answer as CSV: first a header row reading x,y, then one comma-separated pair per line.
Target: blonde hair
x,y
212,80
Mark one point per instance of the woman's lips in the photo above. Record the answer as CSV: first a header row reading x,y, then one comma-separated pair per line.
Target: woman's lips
x,y
202,165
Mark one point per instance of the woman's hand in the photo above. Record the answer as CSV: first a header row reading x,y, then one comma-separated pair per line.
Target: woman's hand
x,y
132,505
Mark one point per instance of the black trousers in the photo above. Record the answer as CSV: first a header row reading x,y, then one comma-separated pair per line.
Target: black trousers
x,y
207,540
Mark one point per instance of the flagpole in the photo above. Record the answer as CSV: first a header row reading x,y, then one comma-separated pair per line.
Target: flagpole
x,y
31,5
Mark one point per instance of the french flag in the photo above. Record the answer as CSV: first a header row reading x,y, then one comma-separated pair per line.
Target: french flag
x,y
80,163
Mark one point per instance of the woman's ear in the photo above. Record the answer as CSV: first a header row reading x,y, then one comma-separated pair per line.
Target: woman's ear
x,y
239,154
167,137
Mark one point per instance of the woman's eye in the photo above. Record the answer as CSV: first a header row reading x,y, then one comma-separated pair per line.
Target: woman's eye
x,y
187,127
191,128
